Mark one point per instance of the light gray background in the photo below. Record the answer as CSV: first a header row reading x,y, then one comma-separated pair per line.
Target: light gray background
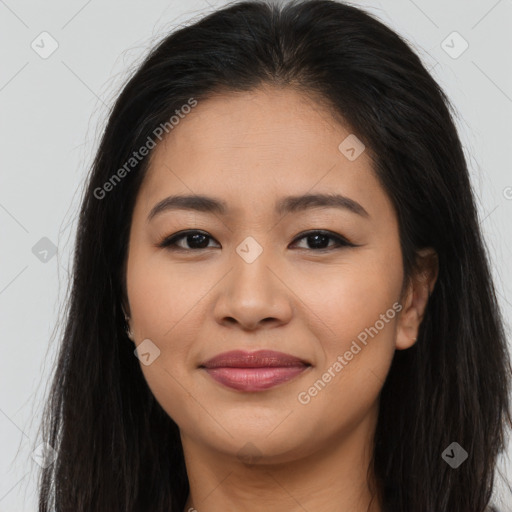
x,y
53,111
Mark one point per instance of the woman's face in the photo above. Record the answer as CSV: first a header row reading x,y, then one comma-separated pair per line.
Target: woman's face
x,y
260,278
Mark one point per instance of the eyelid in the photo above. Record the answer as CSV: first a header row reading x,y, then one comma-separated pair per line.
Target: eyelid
x,y
169,242
341,241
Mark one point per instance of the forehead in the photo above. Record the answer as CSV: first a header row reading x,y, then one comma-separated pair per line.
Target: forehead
x,y
251,145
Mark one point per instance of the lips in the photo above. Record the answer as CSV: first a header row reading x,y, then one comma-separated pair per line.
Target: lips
x,y
259,359
253,371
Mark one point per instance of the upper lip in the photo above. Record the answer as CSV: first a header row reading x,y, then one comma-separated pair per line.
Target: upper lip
x,y
257,359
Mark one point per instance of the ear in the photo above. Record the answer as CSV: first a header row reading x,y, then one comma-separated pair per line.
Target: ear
x,y
415,298
129,331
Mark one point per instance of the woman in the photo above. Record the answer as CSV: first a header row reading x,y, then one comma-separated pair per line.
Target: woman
x,y
281,299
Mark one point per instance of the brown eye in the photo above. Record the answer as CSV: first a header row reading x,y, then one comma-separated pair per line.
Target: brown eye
x,y
196,240
319,240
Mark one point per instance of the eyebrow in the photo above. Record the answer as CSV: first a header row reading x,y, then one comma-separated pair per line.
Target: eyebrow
x,y
287,204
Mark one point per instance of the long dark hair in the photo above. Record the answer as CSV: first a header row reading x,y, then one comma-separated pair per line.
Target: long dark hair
x,y
116,447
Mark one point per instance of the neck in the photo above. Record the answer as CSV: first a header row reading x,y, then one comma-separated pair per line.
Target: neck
x,y
334,477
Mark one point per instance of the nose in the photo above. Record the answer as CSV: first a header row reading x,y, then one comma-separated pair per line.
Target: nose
x,y
254,295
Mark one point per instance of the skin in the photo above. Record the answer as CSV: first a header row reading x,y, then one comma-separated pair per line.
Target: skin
x,y
250,149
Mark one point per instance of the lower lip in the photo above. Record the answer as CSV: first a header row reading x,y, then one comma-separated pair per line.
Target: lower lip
x,y
254,379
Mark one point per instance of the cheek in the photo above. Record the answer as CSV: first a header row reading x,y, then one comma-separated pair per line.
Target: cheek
x,y
161,305
165,317
360,299
355,324
348,298
161,294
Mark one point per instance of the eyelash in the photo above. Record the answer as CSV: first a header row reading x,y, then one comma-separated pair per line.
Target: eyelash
x,y
169,242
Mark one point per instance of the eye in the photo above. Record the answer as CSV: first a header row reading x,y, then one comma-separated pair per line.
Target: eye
x,y
197,240
319,239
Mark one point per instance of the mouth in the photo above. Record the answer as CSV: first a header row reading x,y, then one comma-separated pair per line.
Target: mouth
x,y
254,371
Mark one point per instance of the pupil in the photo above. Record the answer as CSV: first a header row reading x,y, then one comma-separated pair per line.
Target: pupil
x,y
316,237
201,246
